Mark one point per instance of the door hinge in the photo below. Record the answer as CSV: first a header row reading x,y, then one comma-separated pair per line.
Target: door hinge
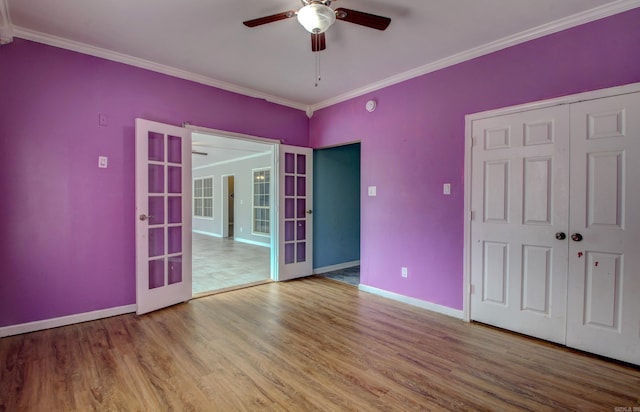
x,y
472,289
472,215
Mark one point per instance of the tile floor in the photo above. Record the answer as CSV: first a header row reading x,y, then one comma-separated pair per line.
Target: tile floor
x,y
222,263
348,275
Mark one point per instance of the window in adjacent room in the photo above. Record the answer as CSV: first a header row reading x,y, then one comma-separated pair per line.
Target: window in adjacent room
x,y
261,201
203,197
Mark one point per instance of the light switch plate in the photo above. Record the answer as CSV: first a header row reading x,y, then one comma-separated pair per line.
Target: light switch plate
x,y
102,162
446,188
372,190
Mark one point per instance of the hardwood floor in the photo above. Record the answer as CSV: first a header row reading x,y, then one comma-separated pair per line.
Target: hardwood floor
x,y
304,345
222,263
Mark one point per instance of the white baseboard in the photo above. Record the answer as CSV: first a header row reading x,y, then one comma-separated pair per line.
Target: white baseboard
x,y
64,320
339,266
251,242
202,232
433,307
237,239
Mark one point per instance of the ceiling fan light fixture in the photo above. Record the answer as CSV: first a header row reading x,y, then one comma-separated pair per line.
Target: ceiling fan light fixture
x,y
316,18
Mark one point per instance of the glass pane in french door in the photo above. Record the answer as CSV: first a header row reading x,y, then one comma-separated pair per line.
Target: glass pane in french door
x,y
165,209
295,208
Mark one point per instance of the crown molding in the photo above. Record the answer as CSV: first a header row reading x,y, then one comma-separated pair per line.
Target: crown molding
x,y
8,31
6,28
524,36
148,65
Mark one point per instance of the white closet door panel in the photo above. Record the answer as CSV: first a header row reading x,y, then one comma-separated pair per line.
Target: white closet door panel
x,y
519,202
604,283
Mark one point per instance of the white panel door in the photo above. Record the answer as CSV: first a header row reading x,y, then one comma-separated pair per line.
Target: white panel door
x,y
604,266
163,215
519,203
295,217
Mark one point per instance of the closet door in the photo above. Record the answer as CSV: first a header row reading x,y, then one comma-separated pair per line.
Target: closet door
x,y
604,265
519,203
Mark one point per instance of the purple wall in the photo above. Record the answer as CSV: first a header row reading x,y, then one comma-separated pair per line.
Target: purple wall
x,y
67,227
414,142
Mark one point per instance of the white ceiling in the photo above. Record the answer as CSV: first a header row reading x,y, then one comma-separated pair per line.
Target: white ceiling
x,y
221,150
206,41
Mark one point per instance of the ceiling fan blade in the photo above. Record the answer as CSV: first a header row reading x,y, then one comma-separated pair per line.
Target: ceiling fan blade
x,y
318,42
269,19
362,18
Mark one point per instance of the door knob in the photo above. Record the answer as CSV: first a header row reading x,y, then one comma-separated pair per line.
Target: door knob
x,y
309,211
560,236
576,237
144,217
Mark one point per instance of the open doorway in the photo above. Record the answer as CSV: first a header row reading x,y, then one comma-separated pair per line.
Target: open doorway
x,y
228,207
337,213
231,247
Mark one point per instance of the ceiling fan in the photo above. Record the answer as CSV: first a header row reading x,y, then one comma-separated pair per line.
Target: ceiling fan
x,y
316,17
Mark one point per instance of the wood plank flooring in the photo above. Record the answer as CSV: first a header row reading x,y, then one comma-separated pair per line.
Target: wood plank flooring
x,y
306,345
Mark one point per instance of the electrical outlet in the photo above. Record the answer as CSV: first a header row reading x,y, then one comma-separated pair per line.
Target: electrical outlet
x,y
405,272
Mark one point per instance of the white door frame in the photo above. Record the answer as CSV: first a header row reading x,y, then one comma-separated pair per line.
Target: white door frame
x,y
468,213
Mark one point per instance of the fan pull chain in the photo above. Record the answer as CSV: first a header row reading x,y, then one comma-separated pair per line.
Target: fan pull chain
x,y
317,68
316,39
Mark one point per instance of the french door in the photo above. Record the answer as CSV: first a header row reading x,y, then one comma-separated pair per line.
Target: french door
x,y
296,200
163,215
555,226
